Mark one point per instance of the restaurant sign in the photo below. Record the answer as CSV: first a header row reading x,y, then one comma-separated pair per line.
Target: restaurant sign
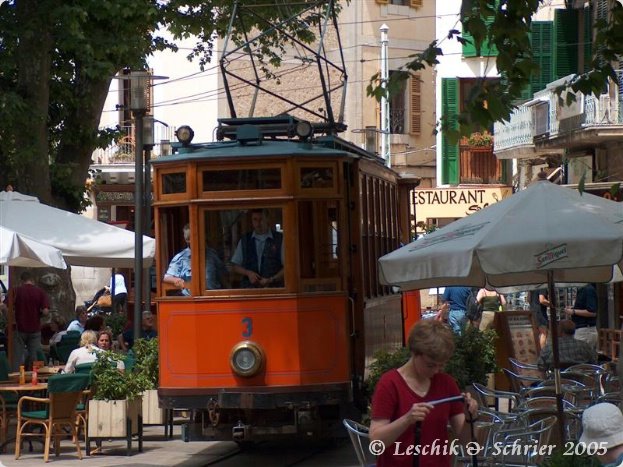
x,y
455,202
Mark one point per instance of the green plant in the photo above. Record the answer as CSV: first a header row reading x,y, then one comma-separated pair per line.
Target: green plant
x,y
472,360
116,322
473,357
146,360
111,384
384,361
560,459
480,140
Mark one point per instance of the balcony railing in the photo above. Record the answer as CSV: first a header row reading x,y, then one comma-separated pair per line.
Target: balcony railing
x,y
123,150
478,164
543,118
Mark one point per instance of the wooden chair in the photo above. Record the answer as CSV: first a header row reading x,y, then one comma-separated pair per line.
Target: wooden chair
x,y
8,400
60,410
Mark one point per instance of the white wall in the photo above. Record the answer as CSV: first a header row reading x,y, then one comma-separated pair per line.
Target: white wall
x,y
452,64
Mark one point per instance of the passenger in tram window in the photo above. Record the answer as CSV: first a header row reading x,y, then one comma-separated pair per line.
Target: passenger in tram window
x,y
178,272
259,254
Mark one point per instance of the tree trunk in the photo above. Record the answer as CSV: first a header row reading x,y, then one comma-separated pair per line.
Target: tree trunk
x,y
31,132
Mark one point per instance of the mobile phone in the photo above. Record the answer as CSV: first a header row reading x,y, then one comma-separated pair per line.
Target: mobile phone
x,y
447,399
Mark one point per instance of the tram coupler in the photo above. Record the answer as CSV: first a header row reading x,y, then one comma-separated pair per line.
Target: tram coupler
x,y
240,432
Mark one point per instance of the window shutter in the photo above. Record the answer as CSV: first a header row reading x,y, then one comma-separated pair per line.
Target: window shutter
x,y
416,3
449,150
486,48
542,40
416,105
566,40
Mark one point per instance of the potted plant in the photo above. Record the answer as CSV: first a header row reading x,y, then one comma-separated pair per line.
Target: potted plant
x,y
473,359
116,403
146,363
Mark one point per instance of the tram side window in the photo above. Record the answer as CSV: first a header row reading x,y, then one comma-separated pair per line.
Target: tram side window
x,y
174,237
319,252
243,248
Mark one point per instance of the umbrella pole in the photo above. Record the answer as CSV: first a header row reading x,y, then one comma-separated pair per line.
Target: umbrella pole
x,y
555,353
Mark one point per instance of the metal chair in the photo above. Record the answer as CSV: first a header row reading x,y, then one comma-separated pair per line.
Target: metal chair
x,y
534,435
360,437
526,369
521,383
482,393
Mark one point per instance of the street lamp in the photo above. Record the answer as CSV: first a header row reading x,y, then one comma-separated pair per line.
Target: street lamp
x,y
140,82
139,102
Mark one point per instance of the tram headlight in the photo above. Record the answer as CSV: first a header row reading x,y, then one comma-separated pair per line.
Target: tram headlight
x,y
247,358
303,129
185,134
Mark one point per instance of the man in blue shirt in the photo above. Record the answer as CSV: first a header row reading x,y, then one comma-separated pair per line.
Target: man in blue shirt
x,y
455,300
179,271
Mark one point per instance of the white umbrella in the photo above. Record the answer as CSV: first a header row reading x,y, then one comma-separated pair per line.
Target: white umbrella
x,y
575,237
20,250
82,241
543,234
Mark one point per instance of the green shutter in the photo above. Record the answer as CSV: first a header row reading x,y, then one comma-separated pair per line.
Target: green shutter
x,y
449,150
566,43
542,40
486,49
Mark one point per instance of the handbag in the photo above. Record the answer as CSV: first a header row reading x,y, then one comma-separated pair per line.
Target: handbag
x,y
105,300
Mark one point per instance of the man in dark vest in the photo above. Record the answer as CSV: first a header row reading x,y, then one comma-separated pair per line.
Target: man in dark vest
x,y
259,254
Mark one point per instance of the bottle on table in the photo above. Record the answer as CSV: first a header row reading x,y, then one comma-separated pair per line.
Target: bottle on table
x,y
22,375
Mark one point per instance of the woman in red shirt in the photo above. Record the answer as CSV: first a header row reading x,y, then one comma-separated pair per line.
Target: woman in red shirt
x,y
403,397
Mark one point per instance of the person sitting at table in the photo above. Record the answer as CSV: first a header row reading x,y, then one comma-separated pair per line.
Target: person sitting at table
x,y
95,323
86,353
56,327
81,319
570,350
126,339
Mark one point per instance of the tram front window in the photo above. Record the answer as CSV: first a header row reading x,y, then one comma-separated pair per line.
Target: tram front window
x,y
243,248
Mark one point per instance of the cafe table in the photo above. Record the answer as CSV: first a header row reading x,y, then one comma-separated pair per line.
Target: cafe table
x,y
42,374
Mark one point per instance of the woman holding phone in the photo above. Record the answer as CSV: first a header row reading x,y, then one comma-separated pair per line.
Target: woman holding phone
x,y
404,403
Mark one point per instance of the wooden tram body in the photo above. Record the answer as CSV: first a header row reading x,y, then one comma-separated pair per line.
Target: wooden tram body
x,y
339,209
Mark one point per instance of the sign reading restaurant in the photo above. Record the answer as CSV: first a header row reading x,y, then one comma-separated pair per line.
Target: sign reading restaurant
x,y
454,203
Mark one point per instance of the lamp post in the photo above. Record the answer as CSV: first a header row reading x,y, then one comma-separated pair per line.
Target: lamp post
x,y
139,86
148,145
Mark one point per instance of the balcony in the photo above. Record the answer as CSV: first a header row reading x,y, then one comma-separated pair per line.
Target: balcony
x,y
542,126
478,165
122,151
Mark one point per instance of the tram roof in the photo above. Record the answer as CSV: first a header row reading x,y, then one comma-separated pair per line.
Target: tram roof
x,y
323,146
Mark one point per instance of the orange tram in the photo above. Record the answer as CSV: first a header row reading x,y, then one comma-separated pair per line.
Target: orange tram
x,y
254,357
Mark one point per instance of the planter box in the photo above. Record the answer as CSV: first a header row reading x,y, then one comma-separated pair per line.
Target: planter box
x,y
152,413
108,419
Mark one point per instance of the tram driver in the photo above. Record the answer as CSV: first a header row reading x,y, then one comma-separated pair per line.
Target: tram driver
x,y
259,254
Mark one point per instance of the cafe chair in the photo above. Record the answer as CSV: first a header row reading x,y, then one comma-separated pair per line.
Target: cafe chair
x,y
360,437
8,400
64,392
70,341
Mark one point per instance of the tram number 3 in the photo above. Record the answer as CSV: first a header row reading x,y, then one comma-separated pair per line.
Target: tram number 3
x,y
247,323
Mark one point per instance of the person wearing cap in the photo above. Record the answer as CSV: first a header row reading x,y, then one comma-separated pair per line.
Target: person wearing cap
x,y
126,339
602,428
571,351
